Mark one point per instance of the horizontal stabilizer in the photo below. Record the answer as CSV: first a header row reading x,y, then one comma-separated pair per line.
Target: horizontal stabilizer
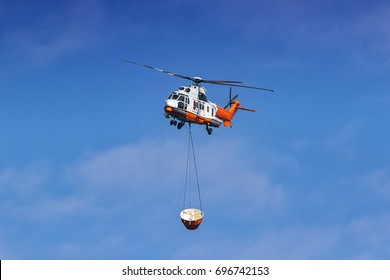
x,y
246,109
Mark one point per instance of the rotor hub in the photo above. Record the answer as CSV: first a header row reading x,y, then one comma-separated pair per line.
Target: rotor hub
x,y
197,80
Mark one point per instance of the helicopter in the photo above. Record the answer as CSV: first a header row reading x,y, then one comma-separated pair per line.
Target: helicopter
x,y
189,104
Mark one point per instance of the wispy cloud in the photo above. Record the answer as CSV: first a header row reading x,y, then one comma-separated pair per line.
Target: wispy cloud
x,y
118,197
373,34
223,168
344,140
58,32
5,247
232,175
145,179
377,182
360,238
370,234
355,33
285,242
24,181
130,166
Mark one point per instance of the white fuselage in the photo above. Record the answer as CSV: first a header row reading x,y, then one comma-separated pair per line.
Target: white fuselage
x,y
191,104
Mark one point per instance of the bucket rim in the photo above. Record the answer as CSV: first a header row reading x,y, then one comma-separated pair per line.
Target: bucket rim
x,y
189,214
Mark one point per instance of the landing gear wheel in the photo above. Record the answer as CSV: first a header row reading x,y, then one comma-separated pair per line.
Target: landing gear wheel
x,y
209,130
180,125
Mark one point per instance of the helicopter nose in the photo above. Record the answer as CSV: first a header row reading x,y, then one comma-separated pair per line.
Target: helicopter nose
x,y
172,103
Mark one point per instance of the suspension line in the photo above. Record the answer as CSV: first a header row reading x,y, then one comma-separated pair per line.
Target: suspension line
x,y
191,158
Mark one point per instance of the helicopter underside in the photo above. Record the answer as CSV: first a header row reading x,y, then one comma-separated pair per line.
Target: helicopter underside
x,y
185,116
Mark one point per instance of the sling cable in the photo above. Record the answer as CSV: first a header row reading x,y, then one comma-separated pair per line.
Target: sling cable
x,y
191,217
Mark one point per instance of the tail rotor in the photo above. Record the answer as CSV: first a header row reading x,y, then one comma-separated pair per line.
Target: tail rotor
x,y
231,100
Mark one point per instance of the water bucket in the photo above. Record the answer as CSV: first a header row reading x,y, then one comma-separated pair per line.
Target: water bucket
x,y
191,218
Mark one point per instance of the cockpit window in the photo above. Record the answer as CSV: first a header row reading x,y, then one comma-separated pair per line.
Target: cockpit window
x,y
173,96
202,96
179,97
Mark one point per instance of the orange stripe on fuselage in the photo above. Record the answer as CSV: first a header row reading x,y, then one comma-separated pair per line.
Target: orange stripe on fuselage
x,y
187,116
198,119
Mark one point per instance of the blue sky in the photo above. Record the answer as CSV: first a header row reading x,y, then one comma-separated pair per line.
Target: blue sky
x,y
90,168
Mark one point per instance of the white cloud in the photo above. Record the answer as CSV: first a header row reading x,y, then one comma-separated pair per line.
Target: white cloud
x,y
5,247
138,188
48,209
344,140
356,34
360,238
132,166
372,26
131,190
105,248
230,174
343,136
369,233
24,181
289,242
224,170
377,182
74,27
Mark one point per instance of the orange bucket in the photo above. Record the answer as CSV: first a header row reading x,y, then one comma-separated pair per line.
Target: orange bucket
x,y
191,218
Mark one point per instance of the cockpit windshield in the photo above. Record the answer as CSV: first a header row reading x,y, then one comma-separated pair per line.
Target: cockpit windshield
x,y
173,96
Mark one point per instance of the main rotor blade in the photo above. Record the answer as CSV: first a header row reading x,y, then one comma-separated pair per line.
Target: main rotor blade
x,y
221,82
242,86
233,84
161,70
198,80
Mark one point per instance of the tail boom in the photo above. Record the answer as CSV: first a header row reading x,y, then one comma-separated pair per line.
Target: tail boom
x,y
227,115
